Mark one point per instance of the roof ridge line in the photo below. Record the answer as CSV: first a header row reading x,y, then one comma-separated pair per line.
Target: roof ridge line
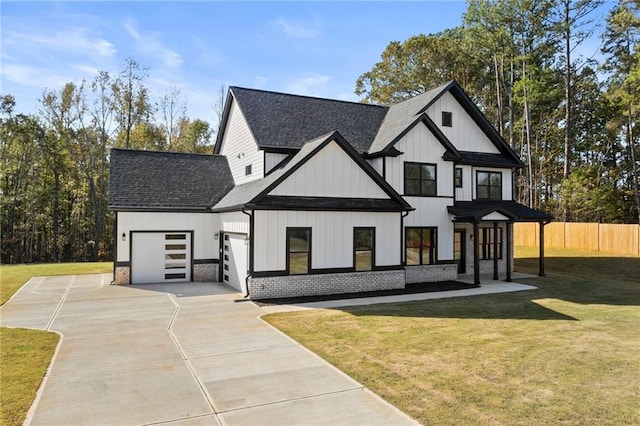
x,y
146,151
309,97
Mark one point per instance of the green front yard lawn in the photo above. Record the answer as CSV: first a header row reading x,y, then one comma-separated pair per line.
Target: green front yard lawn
x,y
25,354
567,353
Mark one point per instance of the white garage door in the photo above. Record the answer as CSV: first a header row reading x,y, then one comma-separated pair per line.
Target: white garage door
x,y
160,257
234,263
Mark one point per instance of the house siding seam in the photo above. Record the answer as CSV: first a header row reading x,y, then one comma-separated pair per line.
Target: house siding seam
x,y
313,285
431,273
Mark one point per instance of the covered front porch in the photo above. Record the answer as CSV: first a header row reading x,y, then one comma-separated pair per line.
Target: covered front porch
x,y
484,237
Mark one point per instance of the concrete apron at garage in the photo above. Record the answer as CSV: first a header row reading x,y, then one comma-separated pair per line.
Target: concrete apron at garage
x,y
185,353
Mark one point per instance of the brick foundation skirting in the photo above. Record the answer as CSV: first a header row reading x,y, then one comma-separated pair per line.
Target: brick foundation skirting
x,y
431,273
121,275
205,272
313,285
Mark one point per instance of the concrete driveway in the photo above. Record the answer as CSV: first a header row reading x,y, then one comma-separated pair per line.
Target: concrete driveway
x,y
184,354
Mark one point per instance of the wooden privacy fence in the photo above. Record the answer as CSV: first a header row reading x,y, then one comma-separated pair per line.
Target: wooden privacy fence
x,y
603,237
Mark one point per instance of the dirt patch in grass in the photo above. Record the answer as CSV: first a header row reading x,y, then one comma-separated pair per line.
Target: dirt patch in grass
x,y
565,353
24,356
409,289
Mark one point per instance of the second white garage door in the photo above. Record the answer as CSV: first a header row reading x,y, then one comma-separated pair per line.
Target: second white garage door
x,y
160,257
234,263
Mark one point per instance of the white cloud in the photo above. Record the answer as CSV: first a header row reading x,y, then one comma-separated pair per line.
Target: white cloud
x,y
297,28
308,84
149,43
32,76
261,80
71,40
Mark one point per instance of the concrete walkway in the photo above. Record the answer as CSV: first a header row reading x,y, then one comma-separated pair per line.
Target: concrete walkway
x,y
178,354
488,286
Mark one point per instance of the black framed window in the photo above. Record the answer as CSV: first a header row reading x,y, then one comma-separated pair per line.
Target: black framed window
x,y
421,246
247,170
486,242
364,249
420,179
457,177
298,250
488,185
447,119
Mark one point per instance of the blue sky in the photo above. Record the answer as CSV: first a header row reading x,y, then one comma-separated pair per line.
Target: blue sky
x,y
310,48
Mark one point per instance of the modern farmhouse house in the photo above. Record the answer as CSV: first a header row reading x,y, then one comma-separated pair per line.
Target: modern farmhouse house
x,y
308,196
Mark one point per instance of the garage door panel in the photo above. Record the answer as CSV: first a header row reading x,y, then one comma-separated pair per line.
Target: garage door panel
x,y
158,257
234,264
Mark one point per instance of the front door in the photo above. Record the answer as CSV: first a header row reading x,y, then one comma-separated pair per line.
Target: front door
x,y
460,250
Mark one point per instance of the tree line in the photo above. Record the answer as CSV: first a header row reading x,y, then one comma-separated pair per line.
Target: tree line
x,y
572,119
55,163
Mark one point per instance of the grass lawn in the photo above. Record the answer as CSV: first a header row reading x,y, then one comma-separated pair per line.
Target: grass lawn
x,y
567,353
25,354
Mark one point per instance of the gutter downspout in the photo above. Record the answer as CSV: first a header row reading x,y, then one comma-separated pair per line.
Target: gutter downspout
x,y
246,280
402,216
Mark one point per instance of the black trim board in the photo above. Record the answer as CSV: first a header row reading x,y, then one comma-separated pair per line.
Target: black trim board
x,y
206,261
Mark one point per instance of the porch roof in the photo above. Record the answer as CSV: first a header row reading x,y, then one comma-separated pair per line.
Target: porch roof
x,y
474,211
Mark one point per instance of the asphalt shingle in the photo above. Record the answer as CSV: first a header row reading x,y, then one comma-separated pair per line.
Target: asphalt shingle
x,y
149,180
280,120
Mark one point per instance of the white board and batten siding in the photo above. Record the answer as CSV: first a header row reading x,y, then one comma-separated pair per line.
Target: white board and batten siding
x,y
420,146
236,222
331,237
464,133
272,159
377,164
203,225
468,181
241,149
330,173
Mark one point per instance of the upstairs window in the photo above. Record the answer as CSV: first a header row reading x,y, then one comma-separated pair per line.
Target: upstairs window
x,y
489,185
247,170
447,119
457,177
420,179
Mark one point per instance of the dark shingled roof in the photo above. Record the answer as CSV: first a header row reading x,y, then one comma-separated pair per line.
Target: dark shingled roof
x,y
149,180
484,159
467,211
280,120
